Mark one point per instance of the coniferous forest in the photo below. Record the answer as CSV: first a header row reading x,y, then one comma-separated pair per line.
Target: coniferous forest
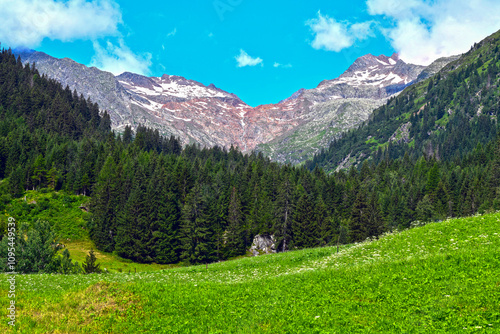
x,y
152,200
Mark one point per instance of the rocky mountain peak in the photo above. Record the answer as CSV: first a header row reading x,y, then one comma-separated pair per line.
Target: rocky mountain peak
x,y
211,116
379,71
370,61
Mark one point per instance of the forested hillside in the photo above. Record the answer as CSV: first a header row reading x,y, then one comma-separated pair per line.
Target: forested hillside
x,y
152,200
445,116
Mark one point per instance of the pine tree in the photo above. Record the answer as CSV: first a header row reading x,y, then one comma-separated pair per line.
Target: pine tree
x,y
425,209
16,182
90,266
196,233
166,245
323,222
305,230
134,233
52,177
357,228
39,172
67,266
128,135
104,206
374,222
283,222
432,179
234,241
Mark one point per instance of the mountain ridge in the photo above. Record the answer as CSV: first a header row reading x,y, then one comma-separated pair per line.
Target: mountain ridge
x,y
443,116
210,116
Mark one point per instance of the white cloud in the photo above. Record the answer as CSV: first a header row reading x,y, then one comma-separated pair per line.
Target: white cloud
x,y
422,31
394,8
172,33
276,64
25,23
332,35
244,59
119,59
362,31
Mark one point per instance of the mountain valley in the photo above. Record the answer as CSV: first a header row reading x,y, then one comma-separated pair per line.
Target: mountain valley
x,y
290,131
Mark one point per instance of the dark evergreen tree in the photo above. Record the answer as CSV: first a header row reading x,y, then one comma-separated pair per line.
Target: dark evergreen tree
x,y
233,237
196,233
374,222
134,235
283,222
359,219
90,266
105,206
304,224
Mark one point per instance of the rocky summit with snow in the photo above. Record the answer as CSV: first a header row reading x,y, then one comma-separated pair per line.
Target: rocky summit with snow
x,y
289,131
334,106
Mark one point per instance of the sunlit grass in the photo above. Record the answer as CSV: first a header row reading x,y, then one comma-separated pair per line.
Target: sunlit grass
x,y
439,278
111,262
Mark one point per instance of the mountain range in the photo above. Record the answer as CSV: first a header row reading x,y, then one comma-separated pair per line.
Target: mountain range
x,y
445,116
291,130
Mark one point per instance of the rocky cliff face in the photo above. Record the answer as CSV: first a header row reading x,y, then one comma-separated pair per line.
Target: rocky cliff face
x,y
436,66
289,131
188,109
334,106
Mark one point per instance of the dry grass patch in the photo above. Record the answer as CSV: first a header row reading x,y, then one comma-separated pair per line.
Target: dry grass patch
x,y
95,308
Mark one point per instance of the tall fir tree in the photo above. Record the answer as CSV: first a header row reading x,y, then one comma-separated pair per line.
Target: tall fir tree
x,y
104,206
357,228
134,226
284,212
233,237
196,233
304,226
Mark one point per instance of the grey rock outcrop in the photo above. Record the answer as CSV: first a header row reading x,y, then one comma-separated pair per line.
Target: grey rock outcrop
x,y
436,66
263,244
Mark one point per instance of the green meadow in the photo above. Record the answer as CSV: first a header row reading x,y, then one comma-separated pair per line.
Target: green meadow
x,y
439,278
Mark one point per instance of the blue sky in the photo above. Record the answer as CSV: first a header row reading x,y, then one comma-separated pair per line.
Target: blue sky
x,y
263,51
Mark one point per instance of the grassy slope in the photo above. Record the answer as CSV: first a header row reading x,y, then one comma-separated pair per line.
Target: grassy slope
x,y
442,277
64,213
58,208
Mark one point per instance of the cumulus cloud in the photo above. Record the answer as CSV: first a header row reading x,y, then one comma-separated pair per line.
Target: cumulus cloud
x,y
332,35
119,58
25,23
422,31
244,59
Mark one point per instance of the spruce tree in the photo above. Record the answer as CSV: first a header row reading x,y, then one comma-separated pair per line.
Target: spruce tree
x,y
196,233
233,237
164,215
90,266
358,222
374,222
104,206
134,232
283,222
323,223
304,225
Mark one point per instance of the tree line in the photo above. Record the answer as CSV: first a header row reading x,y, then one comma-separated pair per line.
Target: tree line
x,y
152,200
